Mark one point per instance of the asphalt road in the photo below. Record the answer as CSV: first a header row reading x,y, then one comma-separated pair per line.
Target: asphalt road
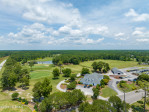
x,y
1,64
132,96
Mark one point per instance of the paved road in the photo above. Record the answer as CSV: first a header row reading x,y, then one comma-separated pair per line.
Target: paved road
x,y
1,65
132,96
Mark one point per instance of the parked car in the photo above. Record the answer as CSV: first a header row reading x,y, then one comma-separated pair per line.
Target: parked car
x,y
85,86
88,87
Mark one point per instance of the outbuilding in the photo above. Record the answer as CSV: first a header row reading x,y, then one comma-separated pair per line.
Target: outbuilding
x,y
116,71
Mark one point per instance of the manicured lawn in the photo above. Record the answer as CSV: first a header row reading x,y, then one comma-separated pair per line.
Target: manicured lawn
x,y
107,92
113,63
45,59
39,74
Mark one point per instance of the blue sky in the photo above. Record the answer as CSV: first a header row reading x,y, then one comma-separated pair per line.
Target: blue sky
x,y
74,24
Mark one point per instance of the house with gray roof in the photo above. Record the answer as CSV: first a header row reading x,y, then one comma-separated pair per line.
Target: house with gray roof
x,y
93,79
116,71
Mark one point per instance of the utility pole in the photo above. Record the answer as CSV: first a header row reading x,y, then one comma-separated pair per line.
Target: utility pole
x,y
124,101
144,98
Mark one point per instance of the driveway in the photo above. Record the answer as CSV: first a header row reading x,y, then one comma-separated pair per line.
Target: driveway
x,y
59,88
87,91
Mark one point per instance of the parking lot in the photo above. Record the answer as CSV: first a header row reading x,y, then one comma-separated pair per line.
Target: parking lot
x,y
87,91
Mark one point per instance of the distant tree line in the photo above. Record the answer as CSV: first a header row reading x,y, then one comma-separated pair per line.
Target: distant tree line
x,y
77,56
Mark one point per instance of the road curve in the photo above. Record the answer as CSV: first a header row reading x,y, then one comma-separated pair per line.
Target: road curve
x,y
2,64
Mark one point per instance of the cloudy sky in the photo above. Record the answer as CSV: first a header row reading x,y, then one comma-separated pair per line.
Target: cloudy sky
x,y
74,24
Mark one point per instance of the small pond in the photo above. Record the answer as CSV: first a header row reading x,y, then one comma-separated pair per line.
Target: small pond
x,y
44,62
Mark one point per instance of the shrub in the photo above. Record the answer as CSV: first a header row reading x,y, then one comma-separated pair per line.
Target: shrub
x,y
90,85
80,82
26,102
19,99
141,102
72,85
15,96
67,81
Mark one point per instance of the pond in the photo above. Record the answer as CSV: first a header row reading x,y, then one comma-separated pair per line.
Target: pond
x,y
44,62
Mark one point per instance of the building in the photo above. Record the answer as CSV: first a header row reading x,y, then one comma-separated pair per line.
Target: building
x,y
116,71
93,79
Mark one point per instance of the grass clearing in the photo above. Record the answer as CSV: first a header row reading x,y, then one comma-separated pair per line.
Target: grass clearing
x,y
107,92
45,59
129,87
13,106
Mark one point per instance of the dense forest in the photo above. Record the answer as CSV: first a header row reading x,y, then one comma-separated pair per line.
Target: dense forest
x,y
77,56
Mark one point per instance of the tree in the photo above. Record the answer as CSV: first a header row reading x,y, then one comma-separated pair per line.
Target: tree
x,y
37,91
42,89
95,93
24,78
116,103
15,96
102,83
85,71
96,106
72,77
94,65
60,63
66,72
24,61
46,105
56,73
72,85
31,64
46,87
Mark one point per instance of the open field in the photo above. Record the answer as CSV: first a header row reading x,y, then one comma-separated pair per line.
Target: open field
x,y
107,92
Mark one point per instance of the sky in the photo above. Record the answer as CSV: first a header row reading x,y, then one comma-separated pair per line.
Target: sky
x,y
74,24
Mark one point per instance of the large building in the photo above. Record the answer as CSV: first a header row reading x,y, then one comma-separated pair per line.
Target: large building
x,y
116,71
93,79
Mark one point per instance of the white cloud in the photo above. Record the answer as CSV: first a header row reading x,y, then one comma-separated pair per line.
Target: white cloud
x,y
142,40
49,11
137,17
140,32
119,34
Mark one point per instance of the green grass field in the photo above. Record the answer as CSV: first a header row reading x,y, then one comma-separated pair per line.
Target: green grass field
x,y
107,92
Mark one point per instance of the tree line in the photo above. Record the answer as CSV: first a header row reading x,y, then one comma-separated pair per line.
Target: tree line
x,y
77,56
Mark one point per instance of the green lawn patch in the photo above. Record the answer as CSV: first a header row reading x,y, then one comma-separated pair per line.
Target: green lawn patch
x,y
129,87
107,92
13,106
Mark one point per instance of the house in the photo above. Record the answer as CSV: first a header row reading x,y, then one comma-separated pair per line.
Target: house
x,y
116,71
93,79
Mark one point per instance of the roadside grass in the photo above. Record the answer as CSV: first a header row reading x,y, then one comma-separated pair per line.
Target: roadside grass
x,y
107,92
139,106
129,87
3,58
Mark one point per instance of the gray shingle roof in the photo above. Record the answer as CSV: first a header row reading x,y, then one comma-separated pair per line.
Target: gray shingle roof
x,y
116,71
92,78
